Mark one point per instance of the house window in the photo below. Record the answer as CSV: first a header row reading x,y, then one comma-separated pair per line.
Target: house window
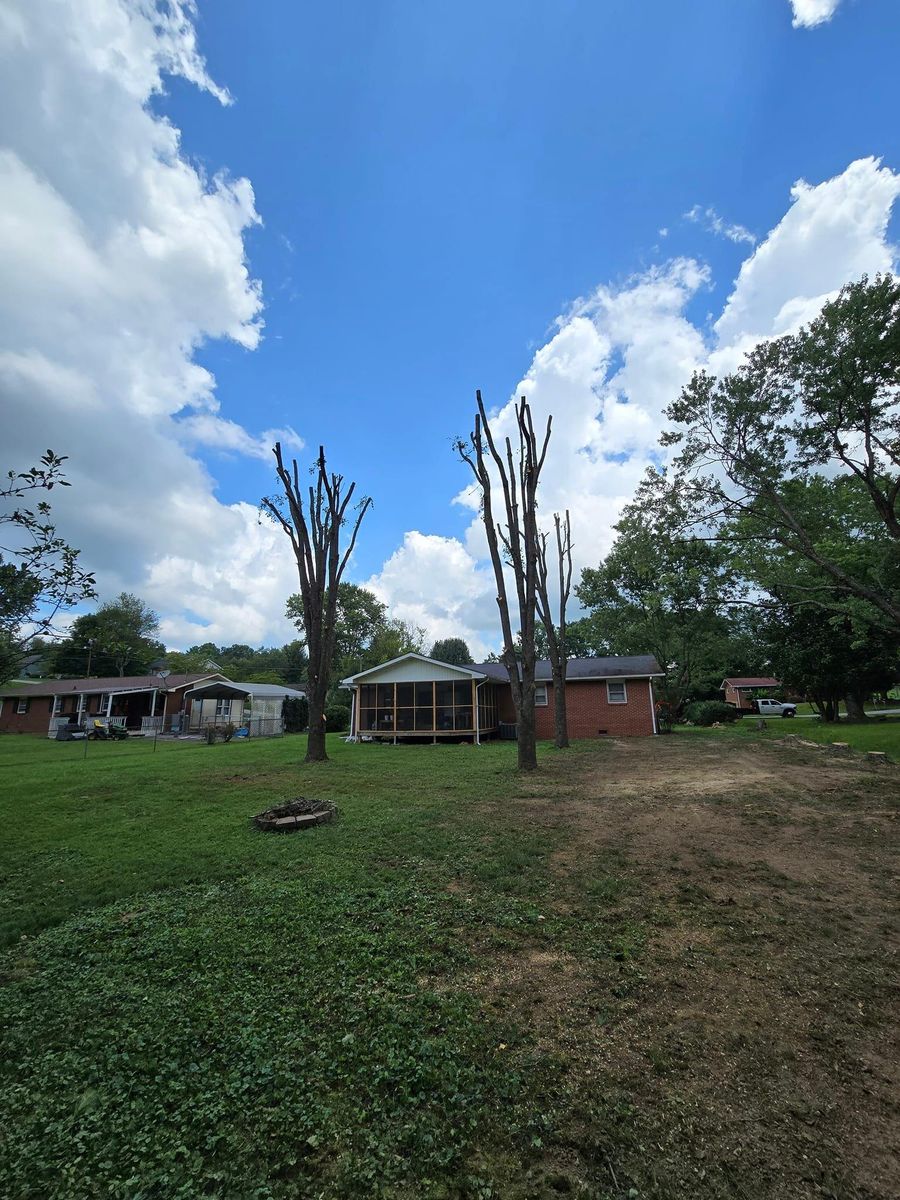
x,y
615,691
22,706
223,708
57,706
540,694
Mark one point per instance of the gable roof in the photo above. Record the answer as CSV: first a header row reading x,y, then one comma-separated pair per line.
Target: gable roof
x,y
615,666
472,672
110,683
748,681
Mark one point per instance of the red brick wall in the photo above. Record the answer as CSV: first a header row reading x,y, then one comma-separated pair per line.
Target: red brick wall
x,y
36,720
589,712
40,710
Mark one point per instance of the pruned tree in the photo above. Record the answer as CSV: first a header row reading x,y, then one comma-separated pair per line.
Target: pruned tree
x,y
314,519
514,544
556,633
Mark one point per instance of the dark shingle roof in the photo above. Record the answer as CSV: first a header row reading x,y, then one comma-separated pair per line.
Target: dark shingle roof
x,y
111,683
744,681
615,666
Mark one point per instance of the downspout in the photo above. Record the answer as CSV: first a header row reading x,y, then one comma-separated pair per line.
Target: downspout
x,y
653,705
478,713
352,737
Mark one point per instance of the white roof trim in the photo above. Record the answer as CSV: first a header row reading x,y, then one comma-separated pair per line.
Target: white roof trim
x,y
351,679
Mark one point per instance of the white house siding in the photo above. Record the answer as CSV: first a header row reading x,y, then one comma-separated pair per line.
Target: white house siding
x,y
414,671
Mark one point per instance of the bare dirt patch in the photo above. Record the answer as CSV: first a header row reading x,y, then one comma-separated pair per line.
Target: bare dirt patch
x,y
721,980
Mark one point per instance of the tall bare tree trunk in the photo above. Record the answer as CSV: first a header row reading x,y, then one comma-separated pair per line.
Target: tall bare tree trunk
x,y
556,634
314,527
513,544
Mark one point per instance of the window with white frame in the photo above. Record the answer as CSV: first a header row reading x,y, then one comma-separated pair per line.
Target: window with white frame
x,y
57,705
22,706
223,708
615,691
540,694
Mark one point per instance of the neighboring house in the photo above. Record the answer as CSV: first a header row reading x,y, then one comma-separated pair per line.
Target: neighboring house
x,y
417,697
142,703
740,691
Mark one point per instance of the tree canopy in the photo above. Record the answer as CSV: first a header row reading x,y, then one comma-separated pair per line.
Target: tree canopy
x,y
40,573
118,639
799,449
452,650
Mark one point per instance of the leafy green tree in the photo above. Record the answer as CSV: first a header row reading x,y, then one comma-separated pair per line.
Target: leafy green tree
x,y
828,660
118,639
452,650
811,413
365,635
285,664
40,574
359,615
659,592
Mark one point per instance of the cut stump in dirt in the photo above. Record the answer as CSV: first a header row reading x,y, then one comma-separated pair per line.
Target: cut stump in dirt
x,y
295,814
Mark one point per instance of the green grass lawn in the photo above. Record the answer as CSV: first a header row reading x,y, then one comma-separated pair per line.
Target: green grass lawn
x,y
193,1008
875,734
470,986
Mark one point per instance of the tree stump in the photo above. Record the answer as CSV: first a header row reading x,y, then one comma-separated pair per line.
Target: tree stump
x,y
839,747
878,757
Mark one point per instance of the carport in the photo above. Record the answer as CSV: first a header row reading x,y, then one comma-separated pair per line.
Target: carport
x,y
254,706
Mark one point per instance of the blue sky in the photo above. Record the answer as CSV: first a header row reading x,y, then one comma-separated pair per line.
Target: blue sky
x,y
438,182
436,185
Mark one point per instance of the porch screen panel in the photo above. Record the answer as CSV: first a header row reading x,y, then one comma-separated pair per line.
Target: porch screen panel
x,y
384,701
367,707
406,707
487,707
462,705
443,706
424,715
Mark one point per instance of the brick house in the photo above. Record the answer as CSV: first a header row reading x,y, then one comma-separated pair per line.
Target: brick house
x,y
741,690
142,703
414,697
135,701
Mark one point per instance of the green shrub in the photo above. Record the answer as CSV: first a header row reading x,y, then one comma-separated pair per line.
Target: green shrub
x,y
295,711
337,718
707,712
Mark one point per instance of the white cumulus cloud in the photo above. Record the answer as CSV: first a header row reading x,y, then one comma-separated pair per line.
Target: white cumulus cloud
x,y
621,355
120,258
808,13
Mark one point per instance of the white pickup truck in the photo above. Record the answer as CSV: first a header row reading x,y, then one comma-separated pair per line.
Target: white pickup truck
x,y
774,708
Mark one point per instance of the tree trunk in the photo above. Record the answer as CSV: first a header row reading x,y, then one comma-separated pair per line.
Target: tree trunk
x,y
855,707
527,743
315,739
827,706
561,741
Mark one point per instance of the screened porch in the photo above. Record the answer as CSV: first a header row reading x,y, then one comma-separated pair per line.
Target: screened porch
x,y
425,709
